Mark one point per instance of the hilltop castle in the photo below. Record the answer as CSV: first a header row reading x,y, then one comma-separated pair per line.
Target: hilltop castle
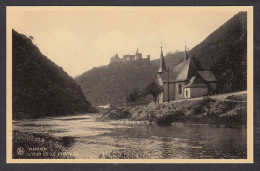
x,y
129,58
184,80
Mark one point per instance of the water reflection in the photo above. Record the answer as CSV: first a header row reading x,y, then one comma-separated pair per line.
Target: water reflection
x,y
166,148
88,138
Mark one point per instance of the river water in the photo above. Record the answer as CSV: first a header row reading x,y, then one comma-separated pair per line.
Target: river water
x,y
87,138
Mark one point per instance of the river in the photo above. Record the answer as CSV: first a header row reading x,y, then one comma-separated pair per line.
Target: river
x,y
86,137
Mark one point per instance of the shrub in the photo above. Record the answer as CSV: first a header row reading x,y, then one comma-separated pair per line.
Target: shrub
x,y
166,120
242,97
118,113
203,105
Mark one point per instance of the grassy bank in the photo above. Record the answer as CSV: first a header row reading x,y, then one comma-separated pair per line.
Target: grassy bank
x,y
27,146
229,110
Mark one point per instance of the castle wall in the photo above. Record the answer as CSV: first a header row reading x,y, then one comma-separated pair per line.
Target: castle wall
x,y
148,57
115,60
138,56
129,58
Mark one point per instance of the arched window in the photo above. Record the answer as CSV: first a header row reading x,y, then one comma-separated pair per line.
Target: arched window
x,y
180,89
186,93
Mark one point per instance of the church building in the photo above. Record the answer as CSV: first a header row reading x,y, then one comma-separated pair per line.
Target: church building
x,y
184,81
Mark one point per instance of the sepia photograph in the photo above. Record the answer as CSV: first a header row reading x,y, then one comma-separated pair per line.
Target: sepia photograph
x,y
129,84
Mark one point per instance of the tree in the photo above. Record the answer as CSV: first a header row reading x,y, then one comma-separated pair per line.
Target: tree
x,y
197,63
134,96
154,89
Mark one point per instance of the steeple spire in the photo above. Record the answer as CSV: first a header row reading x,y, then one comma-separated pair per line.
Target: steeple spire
x,y
162,67
186,54
137,50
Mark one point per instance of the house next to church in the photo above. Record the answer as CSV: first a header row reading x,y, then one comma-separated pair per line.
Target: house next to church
x,y
184,80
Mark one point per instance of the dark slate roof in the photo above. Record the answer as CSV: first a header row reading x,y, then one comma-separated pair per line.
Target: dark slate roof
x,y
162,67
207,76
180,72
194,83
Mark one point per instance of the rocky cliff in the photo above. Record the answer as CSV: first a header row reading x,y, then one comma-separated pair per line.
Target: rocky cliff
x,y
40,87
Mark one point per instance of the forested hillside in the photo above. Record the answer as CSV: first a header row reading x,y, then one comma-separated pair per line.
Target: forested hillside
x,y
224,52
172,59
109,84
40,87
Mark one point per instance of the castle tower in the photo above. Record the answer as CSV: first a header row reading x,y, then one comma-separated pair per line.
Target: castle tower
x,y
148,57
138,56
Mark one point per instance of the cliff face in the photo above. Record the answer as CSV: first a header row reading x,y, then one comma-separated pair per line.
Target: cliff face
x,y
40,87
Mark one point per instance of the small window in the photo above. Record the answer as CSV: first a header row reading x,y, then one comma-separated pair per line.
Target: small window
x,y
186,93
180,89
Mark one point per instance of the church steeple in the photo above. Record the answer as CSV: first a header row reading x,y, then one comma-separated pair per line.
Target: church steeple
x,y
162,67
186,54
137,51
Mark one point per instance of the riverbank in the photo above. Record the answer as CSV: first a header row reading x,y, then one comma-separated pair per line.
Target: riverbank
x,y
227,109
34,146
85,137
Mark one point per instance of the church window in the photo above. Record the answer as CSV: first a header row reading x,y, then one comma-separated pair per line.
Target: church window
x,y
180,89
186,93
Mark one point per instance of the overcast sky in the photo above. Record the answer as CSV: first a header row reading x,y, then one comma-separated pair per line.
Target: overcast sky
x,y
81,38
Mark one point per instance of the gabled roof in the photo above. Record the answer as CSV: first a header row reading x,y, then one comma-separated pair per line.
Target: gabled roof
x,y
180,72
194,83
207,76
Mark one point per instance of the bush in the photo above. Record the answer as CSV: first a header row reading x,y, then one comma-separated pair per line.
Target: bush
x,y
242,97
118,113
203,105
166,120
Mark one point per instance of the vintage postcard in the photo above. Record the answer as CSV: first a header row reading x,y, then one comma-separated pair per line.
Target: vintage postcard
x,y
129,84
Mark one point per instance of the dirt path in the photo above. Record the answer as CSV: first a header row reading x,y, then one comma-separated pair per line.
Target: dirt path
x,y
222,97
233,100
